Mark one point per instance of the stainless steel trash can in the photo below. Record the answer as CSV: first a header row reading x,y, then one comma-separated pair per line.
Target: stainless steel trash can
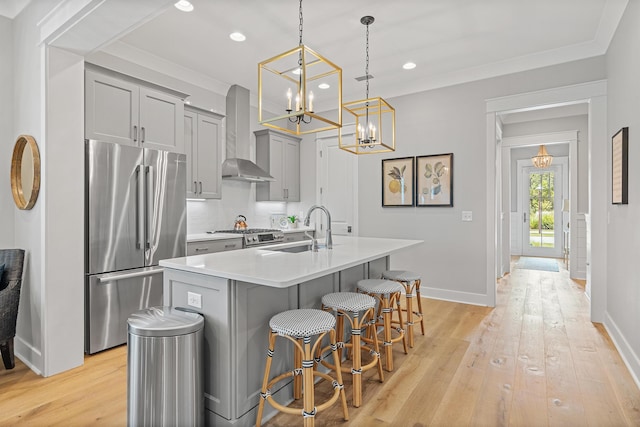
x,y
164,368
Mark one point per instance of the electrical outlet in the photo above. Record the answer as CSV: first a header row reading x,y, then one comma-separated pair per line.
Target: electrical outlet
x,y
194,300
467,216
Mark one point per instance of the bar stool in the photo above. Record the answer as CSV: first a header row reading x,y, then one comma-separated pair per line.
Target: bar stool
x,y
387,292
350,305
296,325
410,281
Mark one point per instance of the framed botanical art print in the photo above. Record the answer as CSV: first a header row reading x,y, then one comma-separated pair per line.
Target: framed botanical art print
x,y
620,167
397,182
434,180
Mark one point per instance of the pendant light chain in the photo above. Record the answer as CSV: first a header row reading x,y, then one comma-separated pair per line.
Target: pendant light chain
x,y
366,70
300,26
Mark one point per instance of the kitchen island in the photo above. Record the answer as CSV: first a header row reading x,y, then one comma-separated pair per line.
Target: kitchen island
x,y
239,291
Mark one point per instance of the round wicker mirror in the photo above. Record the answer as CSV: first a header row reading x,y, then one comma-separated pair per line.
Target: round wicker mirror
x,y
25,172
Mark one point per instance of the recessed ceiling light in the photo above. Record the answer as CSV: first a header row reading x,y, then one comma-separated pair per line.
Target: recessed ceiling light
x,y
409,66
324,86
184,6
297,71
237,37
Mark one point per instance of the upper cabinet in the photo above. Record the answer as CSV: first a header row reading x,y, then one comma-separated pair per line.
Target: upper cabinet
x,y
203,147
128,112
279,155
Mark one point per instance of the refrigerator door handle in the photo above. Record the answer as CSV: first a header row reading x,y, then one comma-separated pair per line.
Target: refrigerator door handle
x,y
123,276
149,206
140,207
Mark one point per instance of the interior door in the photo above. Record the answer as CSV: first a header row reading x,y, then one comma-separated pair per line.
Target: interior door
x,y
338,172
542,211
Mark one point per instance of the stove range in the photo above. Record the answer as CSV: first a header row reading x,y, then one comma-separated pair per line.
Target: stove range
x,y
257,236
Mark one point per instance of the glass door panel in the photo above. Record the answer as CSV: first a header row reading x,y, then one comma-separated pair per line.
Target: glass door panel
x,y
542,231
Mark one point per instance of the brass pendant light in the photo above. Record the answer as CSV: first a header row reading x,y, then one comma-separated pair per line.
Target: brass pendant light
x,y
543,159
300,78
375,119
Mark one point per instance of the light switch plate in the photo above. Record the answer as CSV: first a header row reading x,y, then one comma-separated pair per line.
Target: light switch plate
x,y
467,215
194,300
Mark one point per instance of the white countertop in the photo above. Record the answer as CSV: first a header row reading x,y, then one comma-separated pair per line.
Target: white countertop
x,y
200,237
281,269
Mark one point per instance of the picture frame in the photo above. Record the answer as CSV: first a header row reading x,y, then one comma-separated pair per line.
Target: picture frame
x,y
397,182
620,167
434,180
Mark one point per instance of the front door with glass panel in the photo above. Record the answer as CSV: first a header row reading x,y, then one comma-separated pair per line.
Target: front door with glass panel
x,y
542,211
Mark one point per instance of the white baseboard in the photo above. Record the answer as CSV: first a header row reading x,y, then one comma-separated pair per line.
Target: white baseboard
x,y
455,296
630,358
29,355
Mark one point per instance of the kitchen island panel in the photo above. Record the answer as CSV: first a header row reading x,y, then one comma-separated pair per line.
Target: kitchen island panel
x,y
215,301
254,306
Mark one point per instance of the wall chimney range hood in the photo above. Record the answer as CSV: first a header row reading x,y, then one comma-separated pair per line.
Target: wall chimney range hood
x,y
237,166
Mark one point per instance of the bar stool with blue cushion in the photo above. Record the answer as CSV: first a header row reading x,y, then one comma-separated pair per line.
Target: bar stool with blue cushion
x,y
387,292
299,326
351,305
410,281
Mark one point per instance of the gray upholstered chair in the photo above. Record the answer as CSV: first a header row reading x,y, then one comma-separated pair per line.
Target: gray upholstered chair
x,y
10,282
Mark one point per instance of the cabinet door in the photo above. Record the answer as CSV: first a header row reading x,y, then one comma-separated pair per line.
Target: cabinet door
x,y
190,143
111,109
291,172
213,246
161,121
276,169
208,157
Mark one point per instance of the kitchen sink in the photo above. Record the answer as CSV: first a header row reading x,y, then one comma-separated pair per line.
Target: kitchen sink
x,y
293,249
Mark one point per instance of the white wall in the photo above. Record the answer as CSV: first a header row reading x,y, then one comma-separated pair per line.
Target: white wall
x,y
453,260
28,119
7,138
623,237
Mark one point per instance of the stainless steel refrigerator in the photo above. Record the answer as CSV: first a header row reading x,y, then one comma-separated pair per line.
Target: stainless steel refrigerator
x,y
135,216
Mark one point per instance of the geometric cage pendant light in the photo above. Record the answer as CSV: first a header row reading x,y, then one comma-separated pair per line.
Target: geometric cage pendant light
x,y
375,119
543,159
292,84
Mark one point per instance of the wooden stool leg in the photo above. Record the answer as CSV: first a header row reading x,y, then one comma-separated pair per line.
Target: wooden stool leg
x,y
420,305
336,360
376,345
356,370
297,379
386,316
409,298
265,379
340,331
397,297
309,409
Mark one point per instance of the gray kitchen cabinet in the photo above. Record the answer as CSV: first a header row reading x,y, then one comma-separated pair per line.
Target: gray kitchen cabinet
x,y
279,155
126,112
203,148
212,246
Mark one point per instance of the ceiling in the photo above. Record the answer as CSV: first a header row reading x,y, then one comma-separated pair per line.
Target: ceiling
x,y
451,41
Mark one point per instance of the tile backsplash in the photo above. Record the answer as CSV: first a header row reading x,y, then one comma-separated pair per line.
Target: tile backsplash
x,y
238,198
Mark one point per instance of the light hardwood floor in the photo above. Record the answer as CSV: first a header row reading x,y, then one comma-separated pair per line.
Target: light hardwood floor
x,y
533,360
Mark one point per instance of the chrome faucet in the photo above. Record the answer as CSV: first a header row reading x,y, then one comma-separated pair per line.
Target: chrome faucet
x,y
307,220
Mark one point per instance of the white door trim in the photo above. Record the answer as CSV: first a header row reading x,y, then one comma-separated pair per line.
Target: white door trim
x,y
595,95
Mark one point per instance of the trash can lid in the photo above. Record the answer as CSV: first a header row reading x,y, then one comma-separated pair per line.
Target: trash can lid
x,y
164,322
